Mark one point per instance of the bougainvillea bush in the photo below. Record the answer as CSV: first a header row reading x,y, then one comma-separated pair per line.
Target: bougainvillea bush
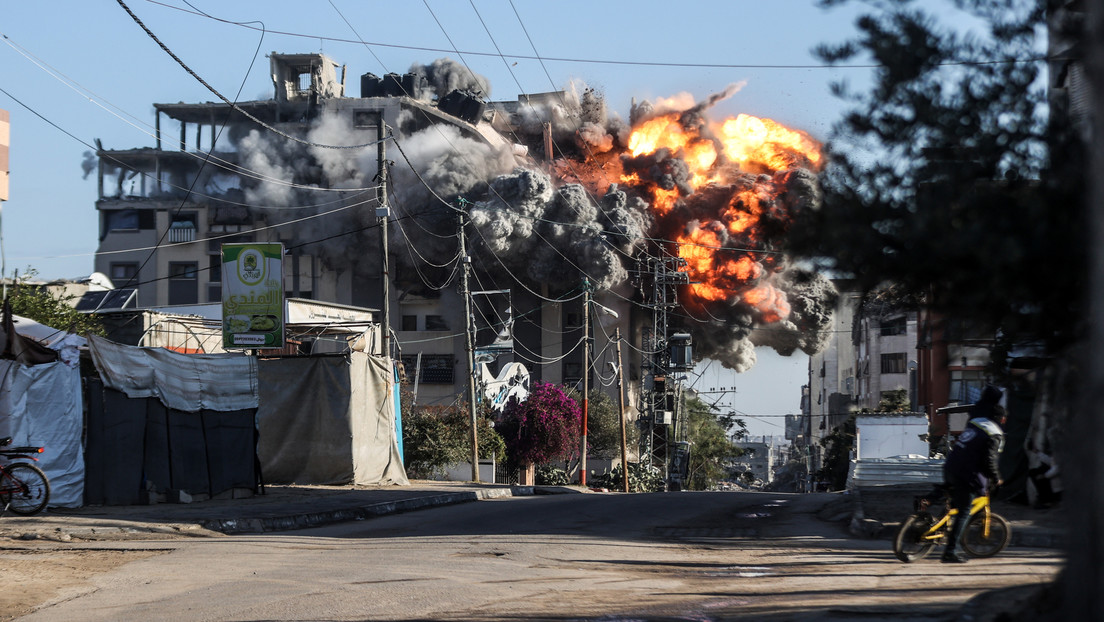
x,y
544,428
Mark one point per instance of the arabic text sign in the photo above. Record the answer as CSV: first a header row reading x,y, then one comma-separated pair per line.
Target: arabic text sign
x,y
252,296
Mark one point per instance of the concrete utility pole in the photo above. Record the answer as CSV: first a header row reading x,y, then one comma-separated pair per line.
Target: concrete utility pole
x,y
621,409
5,139
586,380
382,212
465,291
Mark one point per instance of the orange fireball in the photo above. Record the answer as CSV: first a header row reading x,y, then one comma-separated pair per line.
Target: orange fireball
x,y
727,186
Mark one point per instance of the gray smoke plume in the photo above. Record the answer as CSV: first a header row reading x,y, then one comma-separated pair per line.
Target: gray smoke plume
x,y
558,236
445,75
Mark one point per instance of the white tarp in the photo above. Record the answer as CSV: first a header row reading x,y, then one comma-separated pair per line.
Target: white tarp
x,y
187,382
40,406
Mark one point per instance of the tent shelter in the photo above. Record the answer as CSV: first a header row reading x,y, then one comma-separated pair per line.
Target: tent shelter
x,y
40,401
328,420
201,424
165,423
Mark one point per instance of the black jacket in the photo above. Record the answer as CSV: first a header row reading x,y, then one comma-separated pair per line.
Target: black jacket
x,y
975,454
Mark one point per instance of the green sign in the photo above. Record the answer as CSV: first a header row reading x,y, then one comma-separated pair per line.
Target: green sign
x,y
252,296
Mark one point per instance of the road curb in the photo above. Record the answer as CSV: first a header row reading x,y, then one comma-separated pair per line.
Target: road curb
x,y
305,520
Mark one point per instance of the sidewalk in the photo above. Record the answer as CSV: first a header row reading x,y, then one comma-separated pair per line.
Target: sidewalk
x,y
281,508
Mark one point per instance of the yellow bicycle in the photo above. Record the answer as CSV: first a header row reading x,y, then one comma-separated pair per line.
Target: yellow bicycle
x,y
987,533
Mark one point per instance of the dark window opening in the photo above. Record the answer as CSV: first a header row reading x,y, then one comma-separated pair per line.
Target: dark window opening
x,y
893,363
573,319
895,326
409,322
214,274
435,368
125,220
435,322
183,283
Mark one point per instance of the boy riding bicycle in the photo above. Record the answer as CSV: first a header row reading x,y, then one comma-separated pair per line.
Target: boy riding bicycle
x,y
972,466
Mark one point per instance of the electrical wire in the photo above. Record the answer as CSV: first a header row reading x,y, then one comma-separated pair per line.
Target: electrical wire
x,y
630,63
233,105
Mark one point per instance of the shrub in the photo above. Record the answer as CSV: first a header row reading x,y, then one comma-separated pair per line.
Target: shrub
x,y
642,478
542,429
435,437
551,476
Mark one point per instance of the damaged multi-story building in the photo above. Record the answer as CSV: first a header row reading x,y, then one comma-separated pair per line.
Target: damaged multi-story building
x,y
561,211
288,170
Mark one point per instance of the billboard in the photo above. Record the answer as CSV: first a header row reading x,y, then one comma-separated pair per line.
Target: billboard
x,y
252,296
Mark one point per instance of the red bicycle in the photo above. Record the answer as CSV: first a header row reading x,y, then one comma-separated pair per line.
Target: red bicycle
x,y
24,488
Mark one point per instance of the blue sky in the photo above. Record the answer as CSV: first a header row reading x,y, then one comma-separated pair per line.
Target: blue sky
x,y
93,74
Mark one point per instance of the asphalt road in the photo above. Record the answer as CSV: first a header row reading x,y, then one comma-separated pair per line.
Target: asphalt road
x,y
672,556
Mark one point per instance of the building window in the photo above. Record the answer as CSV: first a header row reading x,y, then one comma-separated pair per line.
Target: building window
x,y
123,273
121,220
966,385
409,322
214,293
894,363
435,369
365,118
435,322
572,373
895,326
125,220
183,283
573,319
214,273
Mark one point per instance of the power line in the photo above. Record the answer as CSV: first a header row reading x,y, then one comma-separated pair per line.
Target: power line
x,y
233,105
598,61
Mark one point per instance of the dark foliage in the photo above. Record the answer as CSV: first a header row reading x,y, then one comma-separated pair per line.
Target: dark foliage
x,y
837,455
950,177
435,437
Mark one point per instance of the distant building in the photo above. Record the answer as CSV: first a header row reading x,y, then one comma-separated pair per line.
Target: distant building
x,y
764,455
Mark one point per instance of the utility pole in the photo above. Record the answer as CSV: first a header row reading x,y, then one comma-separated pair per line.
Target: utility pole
x,y
5,137
465,291
382,213
621,409
586,380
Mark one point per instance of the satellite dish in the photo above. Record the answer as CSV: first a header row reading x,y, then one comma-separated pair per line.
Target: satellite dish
x,y
98,282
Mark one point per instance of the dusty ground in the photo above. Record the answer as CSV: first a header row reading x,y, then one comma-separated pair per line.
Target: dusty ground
x,y
35,574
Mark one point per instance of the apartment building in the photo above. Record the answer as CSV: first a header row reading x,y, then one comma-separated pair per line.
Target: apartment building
x,y
302,169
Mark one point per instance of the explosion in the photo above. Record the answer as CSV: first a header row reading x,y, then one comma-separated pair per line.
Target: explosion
x,y
718,194
722,194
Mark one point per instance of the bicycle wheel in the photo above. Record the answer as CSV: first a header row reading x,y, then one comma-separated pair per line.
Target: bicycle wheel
x,y
977,544
910,545
26,489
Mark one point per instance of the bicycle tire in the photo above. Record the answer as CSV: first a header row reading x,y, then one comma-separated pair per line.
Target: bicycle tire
x,y
975,542
35,489
909,545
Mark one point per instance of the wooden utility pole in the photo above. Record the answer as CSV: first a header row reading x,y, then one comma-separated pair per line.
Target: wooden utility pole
x,y
586,380
465,291
621,409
